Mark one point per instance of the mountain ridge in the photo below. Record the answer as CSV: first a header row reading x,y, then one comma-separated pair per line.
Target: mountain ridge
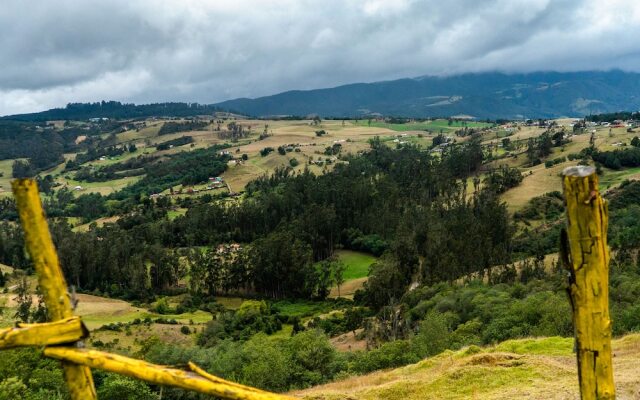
x,y
488,95
483,95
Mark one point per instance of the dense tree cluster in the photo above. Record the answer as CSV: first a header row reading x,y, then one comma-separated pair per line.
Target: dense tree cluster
x,y
117,110
540,147
131,167
181,141
503,179
610,117
235,132
403,201
43,148
175,127
617,159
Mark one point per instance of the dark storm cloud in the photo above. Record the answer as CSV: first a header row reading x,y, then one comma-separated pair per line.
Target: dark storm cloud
x,y
56,52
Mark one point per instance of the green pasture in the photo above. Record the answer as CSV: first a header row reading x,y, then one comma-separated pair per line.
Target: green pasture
x,y
612,178
357,263
435,125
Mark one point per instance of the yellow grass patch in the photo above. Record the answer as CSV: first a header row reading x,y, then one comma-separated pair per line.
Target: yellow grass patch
x,y
526,369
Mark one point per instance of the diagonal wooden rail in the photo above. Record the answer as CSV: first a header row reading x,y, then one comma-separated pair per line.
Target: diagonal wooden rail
x,y
68,330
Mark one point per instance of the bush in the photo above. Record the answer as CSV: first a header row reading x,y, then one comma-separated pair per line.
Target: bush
x,y
389,355
185,330
312,358
12,388
266,365
559,160
265,152
433,335
116,387
252,317
162,307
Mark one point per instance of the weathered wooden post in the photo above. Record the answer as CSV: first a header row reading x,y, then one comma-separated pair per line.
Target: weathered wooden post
x,y
54,288
587,259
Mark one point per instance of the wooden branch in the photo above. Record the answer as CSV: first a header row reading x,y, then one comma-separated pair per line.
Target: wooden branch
x,y
587,260
200,381
54,288
67,330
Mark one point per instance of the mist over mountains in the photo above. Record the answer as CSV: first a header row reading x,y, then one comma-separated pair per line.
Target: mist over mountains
x,y
480,95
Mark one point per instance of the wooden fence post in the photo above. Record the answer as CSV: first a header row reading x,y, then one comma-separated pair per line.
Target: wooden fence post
x,y
54,288
587,259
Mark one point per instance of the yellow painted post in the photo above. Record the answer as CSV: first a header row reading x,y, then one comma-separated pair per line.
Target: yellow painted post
x,y
54,288
587,259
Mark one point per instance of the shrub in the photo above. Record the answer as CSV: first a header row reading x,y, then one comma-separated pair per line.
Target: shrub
x,y
389,355
162,307
120,387
265,152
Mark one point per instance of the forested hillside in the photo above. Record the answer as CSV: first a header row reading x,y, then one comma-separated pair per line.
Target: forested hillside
x,y
116,110
385,242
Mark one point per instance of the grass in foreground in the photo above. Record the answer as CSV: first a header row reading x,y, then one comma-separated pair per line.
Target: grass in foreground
x,y
542,368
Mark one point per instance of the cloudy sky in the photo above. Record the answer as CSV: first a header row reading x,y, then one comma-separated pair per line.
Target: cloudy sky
x,y
55,52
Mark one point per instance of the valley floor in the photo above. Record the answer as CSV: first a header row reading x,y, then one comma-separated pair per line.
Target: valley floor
x,y
542,368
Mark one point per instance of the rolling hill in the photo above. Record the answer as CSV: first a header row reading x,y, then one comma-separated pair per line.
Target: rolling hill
x,y
533,368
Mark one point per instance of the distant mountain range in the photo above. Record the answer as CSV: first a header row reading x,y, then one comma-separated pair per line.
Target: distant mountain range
x,y
483,95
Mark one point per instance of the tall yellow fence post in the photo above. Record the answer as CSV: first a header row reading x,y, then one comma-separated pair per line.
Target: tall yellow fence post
x,y
54,288
587,260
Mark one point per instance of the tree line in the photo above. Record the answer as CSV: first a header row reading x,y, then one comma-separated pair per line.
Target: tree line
x,y
404,202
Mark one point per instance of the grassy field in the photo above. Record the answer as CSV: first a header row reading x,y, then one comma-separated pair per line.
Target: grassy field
x,y
612,178
302,309
357,263
539,180
517,369
173,214
435,125
97,311
5,179
85,227
104,188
